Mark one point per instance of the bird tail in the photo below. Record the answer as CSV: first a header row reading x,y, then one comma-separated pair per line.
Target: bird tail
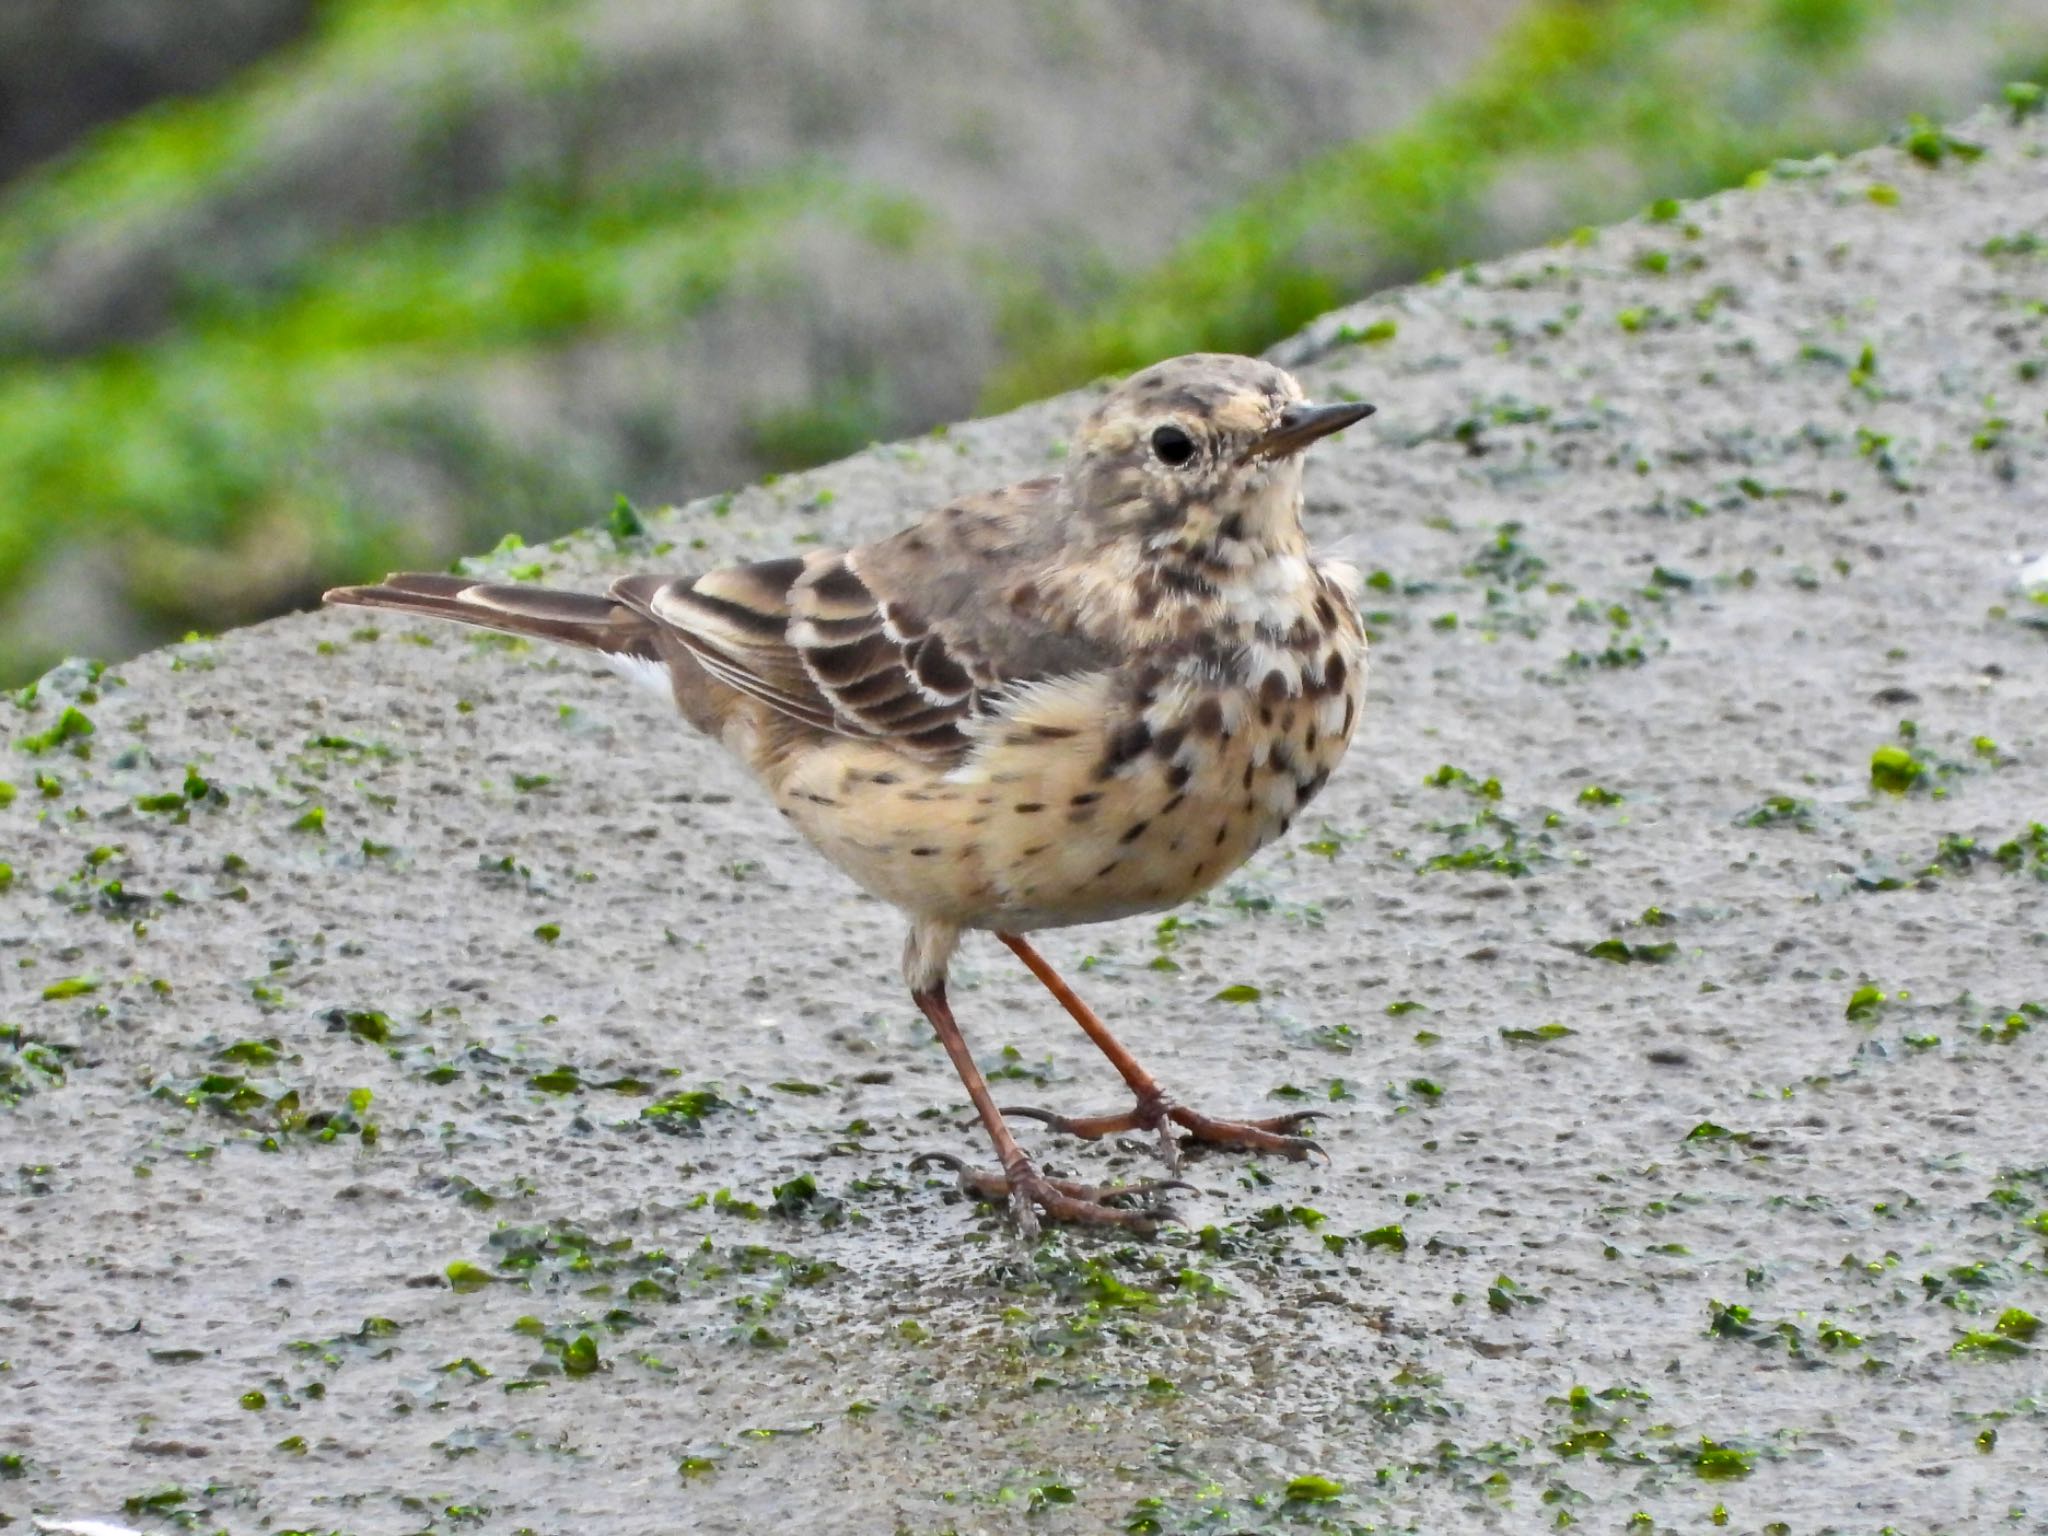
x,y
580,619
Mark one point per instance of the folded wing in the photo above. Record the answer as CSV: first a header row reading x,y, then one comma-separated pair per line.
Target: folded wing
x,y
900,640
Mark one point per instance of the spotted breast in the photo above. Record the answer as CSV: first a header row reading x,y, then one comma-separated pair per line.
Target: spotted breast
x,y
1175,773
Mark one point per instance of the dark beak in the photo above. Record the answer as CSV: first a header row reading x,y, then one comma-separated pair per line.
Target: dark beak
x,y
1300,425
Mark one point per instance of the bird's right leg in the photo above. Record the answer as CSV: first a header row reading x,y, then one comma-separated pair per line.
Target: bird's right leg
x,y
1154,1110
1017,1180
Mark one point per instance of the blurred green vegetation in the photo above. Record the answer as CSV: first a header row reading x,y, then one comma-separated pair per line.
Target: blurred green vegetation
x,y
1625,85
215,429
217,453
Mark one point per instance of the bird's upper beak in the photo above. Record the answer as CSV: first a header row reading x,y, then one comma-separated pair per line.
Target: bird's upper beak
x,y
1300,425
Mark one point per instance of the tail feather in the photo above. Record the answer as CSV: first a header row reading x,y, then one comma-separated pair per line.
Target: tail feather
x,y
572,618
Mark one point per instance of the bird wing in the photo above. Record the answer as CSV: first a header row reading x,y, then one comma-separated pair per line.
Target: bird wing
x,y
905,640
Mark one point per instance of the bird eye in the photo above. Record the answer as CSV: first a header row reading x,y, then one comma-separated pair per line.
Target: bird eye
x,y
1173,446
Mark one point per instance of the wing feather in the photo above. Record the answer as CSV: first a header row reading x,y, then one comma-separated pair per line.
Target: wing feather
x,y
897,641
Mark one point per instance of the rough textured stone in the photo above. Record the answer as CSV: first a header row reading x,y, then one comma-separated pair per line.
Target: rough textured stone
x,y
1794,435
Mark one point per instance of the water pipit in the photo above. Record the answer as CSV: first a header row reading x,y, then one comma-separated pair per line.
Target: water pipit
x,y
1083,697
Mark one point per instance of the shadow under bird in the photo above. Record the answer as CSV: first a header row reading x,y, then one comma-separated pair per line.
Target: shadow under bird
x,y
1079,698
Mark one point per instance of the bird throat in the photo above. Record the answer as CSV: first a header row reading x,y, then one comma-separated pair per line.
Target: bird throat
x,y
1245,562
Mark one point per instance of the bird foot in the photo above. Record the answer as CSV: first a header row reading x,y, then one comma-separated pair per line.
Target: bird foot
x,y
1162,1115
1028,1192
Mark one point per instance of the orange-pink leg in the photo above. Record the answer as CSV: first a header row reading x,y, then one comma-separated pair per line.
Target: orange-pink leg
x,y
1154,1111
1019,1181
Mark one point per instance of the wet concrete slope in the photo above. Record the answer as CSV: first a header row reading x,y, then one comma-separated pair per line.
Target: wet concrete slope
x,y
438,1095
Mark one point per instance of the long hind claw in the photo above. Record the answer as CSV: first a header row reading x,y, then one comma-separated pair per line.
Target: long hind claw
x,y
1269,1135
1272,1135
1087,1127
1027,1192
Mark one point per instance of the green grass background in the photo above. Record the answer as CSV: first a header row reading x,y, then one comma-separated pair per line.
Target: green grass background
x,y
210,455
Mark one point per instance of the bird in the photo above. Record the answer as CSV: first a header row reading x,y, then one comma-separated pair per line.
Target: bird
x,y
1082,697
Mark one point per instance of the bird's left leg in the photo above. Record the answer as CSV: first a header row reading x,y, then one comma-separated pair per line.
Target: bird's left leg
x,y
1154,1111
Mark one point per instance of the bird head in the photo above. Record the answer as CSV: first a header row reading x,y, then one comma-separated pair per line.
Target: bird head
x,y
1202,455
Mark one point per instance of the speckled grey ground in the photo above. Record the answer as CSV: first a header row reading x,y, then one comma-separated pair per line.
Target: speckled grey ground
x,y
1694,514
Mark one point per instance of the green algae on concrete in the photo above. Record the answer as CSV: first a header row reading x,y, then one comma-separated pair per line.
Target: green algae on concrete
x,y
1685,1168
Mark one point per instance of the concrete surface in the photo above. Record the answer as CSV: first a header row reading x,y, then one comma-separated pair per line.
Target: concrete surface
x,y
413,1165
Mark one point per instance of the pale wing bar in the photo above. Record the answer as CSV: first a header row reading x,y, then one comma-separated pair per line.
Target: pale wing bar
x,y
808,638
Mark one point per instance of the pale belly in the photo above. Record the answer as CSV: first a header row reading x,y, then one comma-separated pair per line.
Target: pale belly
x,y
1073,811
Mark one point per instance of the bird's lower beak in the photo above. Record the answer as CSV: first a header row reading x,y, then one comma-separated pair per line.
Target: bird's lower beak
x,y
1300,425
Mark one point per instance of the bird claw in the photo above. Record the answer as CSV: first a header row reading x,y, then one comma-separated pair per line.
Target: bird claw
x,y
1027,1192
1087,1127
1162,1115
1268,1135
